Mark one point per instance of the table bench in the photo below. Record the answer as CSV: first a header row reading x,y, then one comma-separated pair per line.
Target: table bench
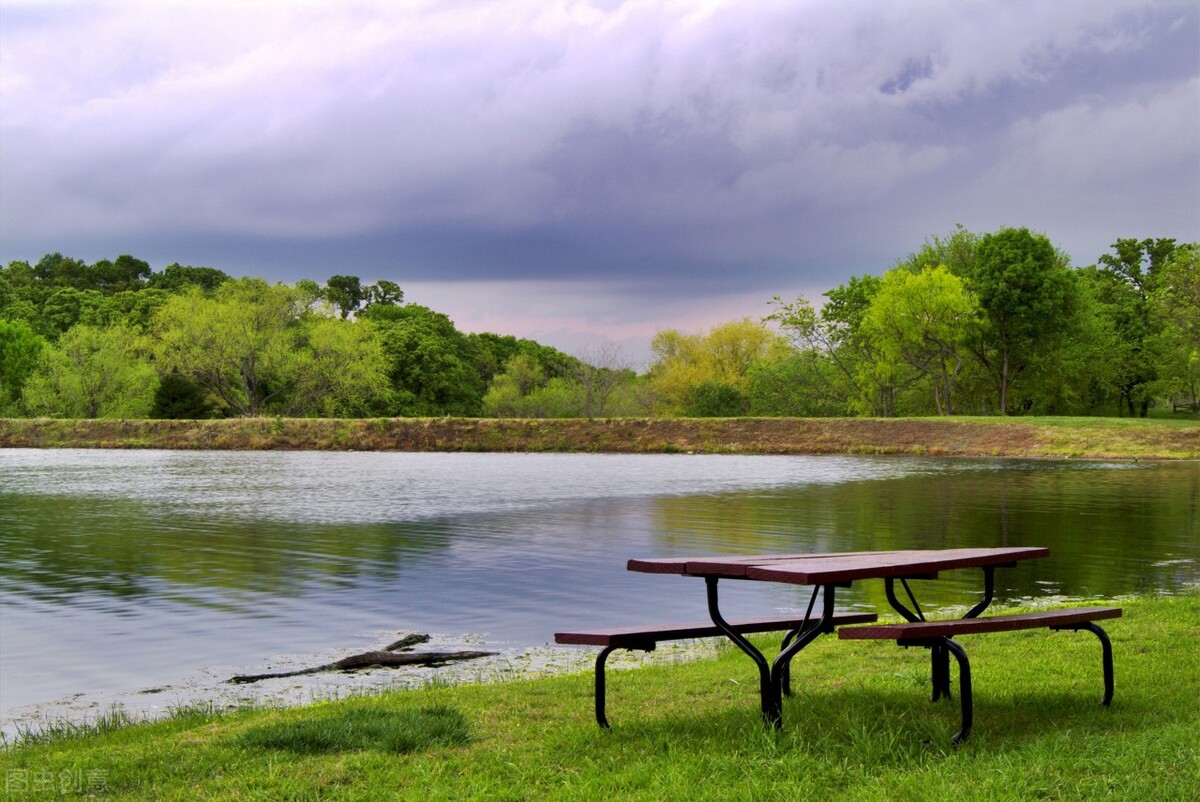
x,y
938,634
646,638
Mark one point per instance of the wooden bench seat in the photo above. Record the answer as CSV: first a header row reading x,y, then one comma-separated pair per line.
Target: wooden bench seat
x,y
937,635
645,638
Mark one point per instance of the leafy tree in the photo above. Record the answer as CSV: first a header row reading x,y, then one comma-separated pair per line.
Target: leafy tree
x,y
20,351
240,344
18,275
1123,283
124,274
384,293
339,369
54,269
1028,298
135,308
1138,262
92,373
684,362
254,346
716,400
491,353
345,293
597,376
177,278
958,252
67,306
841,358
429,362
512,393
523,390
180,398
1175,305
793,384
21,295
923,319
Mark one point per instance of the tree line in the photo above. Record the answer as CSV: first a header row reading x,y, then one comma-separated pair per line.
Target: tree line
x,y
998,323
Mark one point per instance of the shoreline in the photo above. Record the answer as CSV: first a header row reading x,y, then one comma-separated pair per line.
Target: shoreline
x,y
1053,438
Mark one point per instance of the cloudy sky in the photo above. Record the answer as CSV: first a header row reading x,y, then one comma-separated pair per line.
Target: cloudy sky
x,y
590,172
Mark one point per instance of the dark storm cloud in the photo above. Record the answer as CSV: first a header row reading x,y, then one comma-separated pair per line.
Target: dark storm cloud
x,y
690,149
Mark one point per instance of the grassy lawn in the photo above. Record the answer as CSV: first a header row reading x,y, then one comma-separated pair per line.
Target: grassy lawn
x,y
860,727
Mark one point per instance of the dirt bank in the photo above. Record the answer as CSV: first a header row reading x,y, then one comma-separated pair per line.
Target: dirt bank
x,y
1026,437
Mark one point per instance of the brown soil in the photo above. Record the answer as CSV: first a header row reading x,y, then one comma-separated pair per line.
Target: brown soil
x,y
1071,437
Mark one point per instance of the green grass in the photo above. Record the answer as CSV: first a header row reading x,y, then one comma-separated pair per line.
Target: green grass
x,y
362,726
859,728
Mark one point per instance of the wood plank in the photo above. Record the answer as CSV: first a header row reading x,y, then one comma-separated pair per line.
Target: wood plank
x,y
918,630
731,565
738,568
880,565
649,634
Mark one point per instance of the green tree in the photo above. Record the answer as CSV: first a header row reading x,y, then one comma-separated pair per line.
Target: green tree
x,y
180,398
254,346
923,319
527,389
840,356
1175,306
384,293
724,355
124,274
1079,375
339,369
958,252
429,362
793,384
92,373
177,278
716,400
597,378
490,354
345,293
1123,283
67,306
57,270
135,308
21,296
240,344
515,392
1028,298
20,351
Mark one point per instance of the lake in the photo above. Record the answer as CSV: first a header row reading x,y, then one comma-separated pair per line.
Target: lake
x,y
126,572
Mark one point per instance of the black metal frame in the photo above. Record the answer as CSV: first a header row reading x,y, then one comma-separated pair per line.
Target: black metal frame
x,y
964,670
601,659
941,648
939,654
774,678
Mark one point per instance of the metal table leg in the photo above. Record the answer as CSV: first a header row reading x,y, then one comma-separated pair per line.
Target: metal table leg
x,y
772,677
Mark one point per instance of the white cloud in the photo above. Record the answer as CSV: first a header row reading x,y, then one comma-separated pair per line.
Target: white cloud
x,y
1097,141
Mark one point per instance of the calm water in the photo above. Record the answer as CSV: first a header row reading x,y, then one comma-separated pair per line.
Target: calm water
x,y
124,570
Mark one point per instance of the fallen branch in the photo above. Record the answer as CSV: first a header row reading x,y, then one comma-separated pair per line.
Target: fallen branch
x,y
406,643
370,660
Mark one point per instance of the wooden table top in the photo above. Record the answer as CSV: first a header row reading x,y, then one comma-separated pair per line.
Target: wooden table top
x,y
836,567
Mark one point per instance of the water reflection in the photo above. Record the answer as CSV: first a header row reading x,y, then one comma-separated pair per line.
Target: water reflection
x,y
188,559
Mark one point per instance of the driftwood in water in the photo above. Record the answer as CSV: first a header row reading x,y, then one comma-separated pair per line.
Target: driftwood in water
x,y
383,659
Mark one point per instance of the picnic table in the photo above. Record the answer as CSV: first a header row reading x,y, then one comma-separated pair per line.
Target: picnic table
x,y
829,571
